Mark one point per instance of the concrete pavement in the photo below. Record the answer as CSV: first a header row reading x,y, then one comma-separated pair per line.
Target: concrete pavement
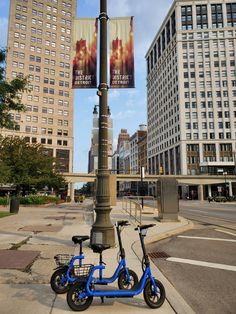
x,y
49,230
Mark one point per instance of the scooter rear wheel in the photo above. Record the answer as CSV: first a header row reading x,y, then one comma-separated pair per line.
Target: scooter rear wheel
x,y
74,301
123,282
154,300
59,282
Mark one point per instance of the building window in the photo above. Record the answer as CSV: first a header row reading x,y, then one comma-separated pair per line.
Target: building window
x,y
231,14
186,17
217,15
201,11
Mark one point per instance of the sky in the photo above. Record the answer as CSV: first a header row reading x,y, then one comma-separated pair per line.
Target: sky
x,y
128,106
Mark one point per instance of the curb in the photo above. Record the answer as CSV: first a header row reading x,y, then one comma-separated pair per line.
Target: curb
x,y
175,300
155,238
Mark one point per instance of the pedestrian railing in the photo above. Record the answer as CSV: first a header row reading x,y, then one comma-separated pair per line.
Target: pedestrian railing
x,y
133,205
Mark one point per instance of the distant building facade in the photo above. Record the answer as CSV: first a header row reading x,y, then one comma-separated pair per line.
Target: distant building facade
x,y
40,47
191,90
93,155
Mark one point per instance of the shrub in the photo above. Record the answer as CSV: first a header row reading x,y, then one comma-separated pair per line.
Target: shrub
x,y
38,199
3,201
220,199
231,198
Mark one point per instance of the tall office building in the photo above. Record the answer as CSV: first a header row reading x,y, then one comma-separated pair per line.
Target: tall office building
x,y
134,148
191,90
40,47
93,155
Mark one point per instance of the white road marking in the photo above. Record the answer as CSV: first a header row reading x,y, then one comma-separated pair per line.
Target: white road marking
x,y
227,232
201,263
205,238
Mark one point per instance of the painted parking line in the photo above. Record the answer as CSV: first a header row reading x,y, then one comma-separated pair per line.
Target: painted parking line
x,y
227,232
201,263
205,238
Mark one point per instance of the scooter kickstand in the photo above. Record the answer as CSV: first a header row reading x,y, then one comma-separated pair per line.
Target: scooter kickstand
x,y
102,299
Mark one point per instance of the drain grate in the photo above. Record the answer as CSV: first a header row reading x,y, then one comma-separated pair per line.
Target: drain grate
x,y
158,255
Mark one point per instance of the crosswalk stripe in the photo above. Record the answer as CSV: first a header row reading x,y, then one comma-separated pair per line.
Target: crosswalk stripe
x,y
201,263
206,238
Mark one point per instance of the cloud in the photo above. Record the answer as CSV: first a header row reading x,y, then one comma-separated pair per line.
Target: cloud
x,y
4,28
114,93
148,16
115,141
93,99
123,115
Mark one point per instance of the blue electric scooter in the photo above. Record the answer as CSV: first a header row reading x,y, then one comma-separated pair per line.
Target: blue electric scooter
x,y
64,274
80,296
67,275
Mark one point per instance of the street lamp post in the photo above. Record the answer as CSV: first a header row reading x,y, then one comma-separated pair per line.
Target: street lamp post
x,y
102,231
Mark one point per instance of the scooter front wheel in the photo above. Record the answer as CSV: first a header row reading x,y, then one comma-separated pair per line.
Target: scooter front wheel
x,y
59,282
73,299
154,300
123,282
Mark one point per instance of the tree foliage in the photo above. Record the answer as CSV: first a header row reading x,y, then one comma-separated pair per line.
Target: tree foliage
x,y
9,95
28,165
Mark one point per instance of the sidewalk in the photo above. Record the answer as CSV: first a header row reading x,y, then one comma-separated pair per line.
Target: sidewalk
x,y
48,230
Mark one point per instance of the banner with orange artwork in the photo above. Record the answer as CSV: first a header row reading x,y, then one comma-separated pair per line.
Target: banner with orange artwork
x,y
84,53
121,52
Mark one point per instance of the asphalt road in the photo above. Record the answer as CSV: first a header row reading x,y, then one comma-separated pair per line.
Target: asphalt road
x,y
219,214
201,263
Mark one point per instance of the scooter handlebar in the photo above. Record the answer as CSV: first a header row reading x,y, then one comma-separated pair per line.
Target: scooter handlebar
x,y
141,227
122,223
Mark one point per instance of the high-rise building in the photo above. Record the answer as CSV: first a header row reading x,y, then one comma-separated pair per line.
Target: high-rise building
x,y
191,90
134,148
40,47
93,156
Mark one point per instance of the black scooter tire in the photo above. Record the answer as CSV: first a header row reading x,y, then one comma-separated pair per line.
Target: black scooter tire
x,y
56,286
72,298
152,300
122,281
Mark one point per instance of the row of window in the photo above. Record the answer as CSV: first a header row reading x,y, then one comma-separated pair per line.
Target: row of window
x,y
49,8
210,114
46,100
203,94
208,34
202,84
206,44
209,104
46,110
49,121
48,141
206,136
223,147
36,78
205,125
202,16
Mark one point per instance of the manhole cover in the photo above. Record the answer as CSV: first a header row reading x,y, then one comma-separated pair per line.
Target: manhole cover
x,y
59,218
12,259
41,228
158,255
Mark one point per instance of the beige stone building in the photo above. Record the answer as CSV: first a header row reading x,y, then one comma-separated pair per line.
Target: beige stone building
x,y
40,47
191,88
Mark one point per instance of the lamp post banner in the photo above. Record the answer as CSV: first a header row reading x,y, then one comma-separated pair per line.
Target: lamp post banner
x,y
121,52
85,53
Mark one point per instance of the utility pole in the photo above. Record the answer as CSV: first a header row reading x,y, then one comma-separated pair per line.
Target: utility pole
x,y
102,231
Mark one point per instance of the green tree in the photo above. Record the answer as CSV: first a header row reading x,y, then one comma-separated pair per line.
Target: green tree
x,y
9,95
29,165
4,173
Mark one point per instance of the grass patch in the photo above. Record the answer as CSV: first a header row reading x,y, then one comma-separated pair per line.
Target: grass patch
x,y
5,214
